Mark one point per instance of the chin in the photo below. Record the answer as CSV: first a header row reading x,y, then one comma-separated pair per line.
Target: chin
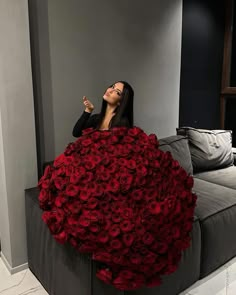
x,y
105,98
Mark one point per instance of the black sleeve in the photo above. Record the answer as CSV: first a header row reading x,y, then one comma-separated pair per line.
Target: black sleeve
x,y
85,121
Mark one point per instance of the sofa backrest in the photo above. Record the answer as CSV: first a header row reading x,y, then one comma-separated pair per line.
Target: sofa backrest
x,y
178,146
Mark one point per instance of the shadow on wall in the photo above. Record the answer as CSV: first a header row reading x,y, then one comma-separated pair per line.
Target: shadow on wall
x,y
42,80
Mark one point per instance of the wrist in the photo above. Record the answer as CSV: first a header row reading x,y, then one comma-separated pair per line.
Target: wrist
x,y
88,110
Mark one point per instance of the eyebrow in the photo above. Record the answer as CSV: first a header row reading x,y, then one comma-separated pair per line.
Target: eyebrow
x,y
117,88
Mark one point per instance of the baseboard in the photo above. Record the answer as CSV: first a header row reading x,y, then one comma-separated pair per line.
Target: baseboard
x,y
11,269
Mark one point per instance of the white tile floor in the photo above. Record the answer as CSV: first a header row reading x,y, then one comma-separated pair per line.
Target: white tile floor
x,y
21,283
221,282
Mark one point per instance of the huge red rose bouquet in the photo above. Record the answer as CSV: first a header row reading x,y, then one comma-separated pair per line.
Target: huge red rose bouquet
x,y
116,195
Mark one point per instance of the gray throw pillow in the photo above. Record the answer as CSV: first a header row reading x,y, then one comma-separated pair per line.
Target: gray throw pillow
x,y
177,145
210,149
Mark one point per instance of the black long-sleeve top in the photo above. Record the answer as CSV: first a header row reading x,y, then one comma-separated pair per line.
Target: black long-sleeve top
x,y
91,121
85,121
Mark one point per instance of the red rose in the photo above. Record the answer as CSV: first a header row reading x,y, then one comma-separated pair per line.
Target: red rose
x,y
126,226
105,275
140,230
71,220
131,164
134,131
115,244
45,184
68,160
84,195
60,183
189,182
135,258
162,247
155,207
114,185
113,167
125,181
92,187
116,217
127,213
58,161
73,207
76,162
107,224
136,149
113,139
105,176
60,200
86,247
128,139
87,131
83,221
69,170
119,131
72,190
150,258
95,136
92,203
153,139
118,259
137,194
114,231
95,228
61,237
86,142
141,170
60,171
103,237
54,220
45,197
128,239
105,133
74,179
79,171
143,138
104,206
89,164
126,274
102,256
147,238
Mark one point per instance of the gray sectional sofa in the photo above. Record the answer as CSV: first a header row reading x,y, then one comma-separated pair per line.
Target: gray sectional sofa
x,y
205,154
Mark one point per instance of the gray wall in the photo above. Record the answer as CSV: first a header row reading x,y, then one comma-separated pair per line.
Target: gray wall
x,y
18,167
90,44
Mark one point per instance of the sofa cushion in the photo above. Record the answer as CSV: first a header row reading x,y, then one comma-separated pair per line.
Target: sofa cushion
x,y
178,146
210,149
225,177
216,209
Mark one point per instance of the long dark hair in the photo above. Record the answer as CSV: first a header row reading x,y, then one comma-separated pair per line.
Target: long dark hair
x,y
124,112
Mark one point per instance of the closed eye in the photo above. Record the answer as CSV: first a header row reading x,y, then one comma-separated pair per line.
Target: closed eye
x,y
118,91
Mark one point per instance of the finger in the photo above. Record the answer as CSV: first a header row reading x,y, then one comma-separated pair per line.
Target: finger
x,y
85,98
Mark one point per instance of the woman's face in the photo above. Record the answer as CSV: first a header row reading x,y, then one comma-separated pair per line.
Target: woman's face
x,y
113,94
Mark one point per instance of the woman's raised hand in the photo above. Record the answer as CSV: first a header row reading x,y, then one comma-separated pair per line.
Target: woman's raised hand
x,y
89,107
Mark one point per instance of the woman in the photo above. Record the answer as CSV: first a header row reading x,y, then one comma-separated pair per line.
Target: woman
x,y
116,111
116,196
